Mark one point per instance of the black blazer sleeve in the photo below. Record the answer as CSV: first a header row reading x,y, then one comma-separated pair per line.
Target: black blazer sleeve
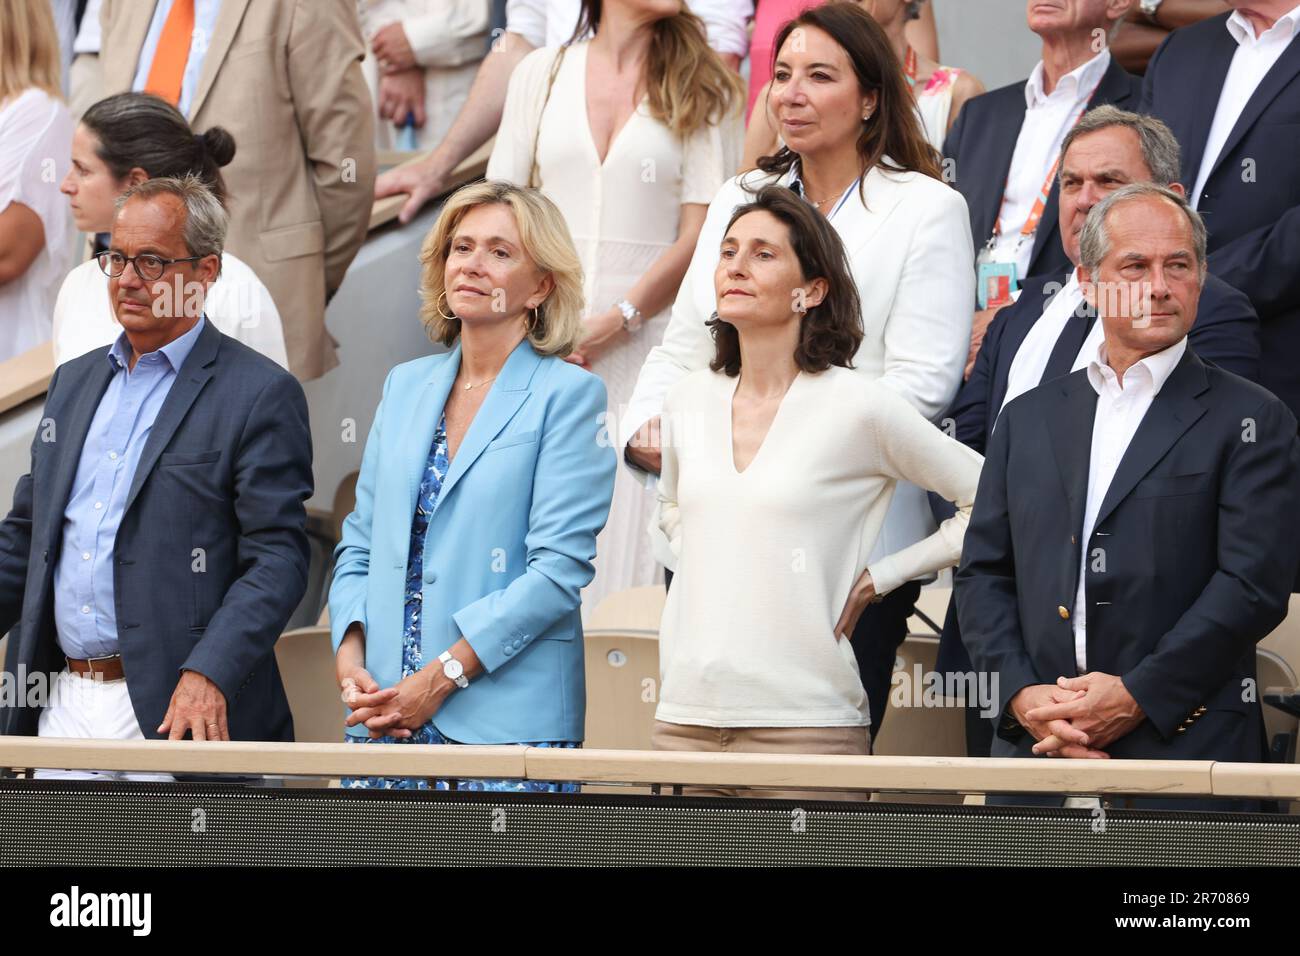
x,y
985,584
970,409
1226,331
1247,596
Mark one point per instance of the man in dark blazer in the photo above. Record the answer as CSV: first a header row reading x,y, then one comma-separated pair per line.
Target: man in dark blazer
x,y
157,547
1004,142
1123,556
1239,160
1108,149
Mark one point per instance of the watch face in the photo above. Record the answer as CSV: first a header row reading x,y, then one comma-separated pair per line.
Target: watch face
x,y
453,669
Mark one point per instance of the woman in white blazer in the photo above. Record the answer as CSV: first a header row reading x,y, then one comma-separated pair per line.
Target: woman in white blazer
x,y
121,141
856,151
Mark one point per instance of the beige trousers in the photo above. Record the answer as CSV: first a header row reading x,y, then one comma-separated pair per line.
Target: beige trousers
x,y
691,738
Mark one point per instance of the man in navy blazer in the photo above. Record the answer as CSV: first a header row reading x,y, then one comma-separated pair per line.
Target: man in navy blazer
x,y
1108,149
1000,150
157,547
1239,160
1123,556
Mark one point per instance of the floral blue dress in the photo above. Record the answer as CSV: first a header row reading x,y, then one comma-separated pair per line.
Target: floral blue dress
x,y
435,471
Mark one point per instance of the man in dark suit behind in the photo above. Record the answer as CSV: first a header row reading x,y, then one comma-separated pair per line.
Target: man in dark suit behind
x,y
1123,557
1239,160
1051,329
1002,147
157,547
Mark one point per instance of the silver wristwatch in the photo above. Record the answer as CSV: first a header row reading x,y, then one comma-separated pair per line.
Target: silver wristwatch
x,y
1149,8
631,315
453,670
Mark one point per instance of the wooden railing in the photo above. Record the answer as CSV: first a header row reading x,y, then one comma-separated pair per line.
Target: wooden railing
x,y
766,771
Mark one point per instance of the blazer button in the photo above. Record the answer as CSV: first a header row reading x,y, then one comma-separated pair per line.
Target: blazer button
x,y
430,575
1064,612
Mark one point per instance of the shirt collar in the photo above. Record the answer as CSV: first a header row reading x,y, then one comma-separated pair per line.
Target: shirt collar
x,y
1158,366
174,352
1244,33
1078,82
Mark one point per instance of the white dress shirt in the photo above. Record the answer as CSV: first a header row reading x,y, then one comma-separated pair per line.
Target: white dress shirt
x,y
1048,118
205,21
1255,56
1027,367
552,22
1120,409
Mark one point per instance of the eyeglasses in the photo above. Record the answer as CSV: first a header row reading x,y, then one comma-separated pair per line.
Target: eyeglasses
x,y
147,266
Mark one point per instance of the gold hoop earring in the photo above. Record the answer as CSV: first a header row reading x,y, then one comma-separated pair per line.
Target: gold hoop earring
x,y
437,305
534,320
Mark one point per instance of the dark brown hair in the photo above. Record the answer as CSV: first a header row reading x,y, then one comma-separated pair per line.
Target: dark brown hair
x,y
831,331
894,130
140,129
687,85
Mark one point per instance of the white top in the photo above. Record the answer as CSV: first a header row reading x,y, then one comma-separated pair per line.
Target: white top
x,y
1048,119
934,103
1031,358
623,215
1252,60
767,557
1120,409
35,146
912,258
552,22
237,304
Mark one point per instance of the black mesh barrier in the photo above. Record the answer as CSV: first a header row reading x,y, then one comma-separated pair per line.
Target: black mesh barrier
x,y
141,824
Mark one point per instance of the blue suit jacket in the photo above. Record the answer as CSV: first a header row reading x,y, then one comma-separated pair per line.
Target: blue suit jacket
x,y
226,469
1251,202
509,547
981,145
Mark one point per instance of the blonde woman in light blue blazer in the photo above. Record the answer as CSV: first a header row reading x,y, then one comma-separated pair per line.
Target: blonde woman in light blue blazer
x,y
486,477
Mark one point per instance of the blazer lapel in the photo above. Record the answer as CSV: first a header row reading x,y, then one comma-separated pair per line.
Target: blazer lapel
x,y
119,69
1277,78
190,381
858,224
508,393
1071,437
1211,73
70,438
1174,411
423,422
1001,144
223,34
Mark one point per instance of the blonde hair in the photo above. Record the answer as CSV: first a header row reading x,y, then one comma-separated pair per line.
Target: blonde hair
x,y
29,49
556,325
687,85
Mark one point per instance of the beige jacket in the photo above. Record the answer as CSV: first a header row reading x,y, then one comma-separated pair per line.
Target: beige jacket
x,y
284,77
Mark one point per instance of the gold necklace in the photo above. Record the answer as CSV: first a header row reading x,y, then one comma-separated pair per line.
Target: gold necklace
x,y
484,382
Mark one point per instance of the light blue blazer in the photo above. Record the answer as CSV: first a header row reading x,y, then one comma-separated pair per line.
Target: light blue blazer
x,y
509,547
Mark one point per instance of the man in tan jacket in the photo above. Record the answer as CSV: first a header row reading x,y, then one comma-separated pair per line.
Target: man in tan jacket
x,y
284,77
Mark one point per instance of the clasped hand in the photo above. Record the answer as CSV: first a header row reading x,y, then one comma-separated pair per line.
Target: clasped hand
x,y
395,711
1077,716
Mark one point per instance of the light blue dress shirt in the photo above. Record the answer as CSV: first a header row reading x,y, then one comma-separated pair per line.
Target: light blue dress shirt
x,y
85,616
205,19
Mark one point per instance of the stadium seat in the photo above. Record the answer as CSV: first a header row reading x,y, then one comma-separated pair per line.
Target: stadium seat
x,y
920,730
306,660
636,609
622,688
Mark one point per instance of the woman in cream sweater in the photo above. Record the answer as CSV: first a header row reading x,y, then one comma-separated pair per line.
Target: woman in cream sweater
x,y
778,467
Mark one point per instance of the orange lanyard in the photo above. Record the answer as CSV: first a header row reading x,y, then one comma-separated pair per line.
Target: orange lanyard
x,y
910,67
1040,204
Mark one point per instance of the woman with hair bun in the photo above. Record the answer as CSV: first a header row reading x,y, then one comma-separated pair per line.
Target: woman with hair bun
x,y
124,140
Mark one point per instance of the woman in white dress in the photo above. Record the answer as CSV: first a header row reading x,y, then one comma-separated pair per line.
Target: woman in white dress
x,y
35,132
124,140
630,133
940,91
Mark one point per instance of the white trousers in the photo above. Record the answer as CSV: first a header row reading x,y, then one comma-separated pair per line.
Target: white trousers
x,y
86,708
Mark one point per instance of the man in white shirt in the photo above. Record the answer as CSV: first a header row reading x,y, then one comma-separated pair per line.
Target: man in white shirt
x,y
1004,147
531,24
1239,149
1119,591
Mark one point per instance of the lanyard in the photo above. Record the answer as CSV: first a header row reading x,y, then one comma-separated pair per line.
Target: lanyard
x,y
1040,204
